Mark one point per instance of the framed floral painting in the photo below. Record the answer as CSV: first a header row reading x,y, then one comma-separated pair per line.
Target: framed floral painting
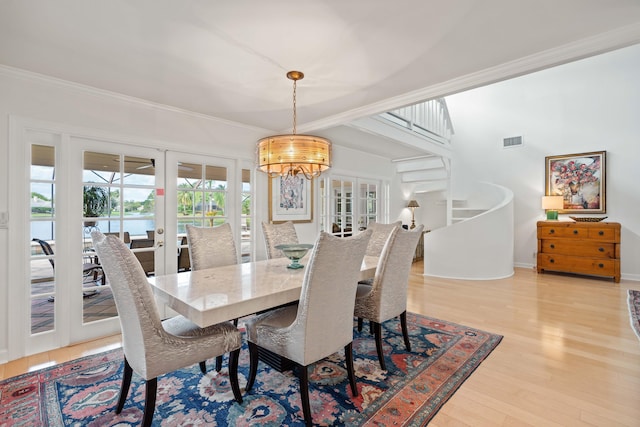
x,y
579,179
290,199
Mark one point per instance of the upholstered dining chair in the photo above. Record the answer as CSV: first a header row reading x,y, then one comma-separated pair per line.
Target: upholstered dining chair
x,y
278,234
386,297
153,347
322,322
381,233
211,247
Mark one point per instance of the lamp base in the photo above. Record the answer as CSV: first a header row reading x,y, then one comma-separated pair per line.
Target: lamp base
x,y
552,215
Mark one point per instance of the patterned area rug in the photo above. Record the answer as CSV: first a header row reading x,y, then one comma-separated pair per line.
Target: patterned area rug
x,y
84,392
634,310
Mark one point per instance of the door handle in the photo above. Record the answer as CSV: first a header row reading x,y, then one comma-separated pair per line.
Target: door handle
x,y
159,243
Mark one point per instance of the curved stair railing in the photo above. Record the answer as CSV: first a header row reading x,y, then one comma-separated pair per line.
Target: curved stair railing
x,y
480,247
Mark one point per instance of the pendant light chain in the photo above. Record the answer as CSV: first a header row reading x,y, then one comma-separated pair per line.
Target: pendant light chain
x,y
294,106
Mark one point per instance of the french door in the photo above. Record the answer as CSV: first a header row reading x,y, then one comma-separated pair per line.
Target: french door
x,y
65,185
71,186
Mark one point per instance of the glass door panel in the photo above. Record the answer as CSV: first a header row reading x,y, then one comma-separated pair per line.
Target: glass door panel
x,y
42,226
245,216
199,195
119,192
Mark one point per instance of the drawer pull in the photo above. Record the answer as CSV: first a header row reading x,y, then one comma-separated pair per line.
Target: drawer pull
x,y
551,261
601,265
601,233
575,231
552,246
601,249
552,231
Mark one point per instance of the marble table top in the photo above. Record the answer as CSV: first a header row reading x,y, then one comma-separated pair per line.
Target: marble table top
x,y
215,295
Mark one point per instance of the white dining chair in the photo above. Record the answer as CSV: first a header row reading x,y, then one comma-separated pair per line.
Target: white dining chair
x,y
381,233
211,247
322,322
153,347
386,297
278,234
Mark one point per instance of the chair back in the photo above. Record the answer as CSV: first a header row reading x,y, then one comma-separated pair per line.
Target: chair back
x,y
184,263
381,233
126,237
136,305
325,312
390,284
147,259
46,249
211,247
278,234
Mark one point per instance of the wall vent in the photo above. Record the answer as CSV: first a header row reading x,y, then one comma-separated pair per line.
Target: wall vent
x,y
514,141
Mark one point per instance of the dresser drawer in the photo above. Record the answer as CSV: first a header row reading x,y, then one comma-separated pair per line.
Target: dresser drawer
x,y
608,234
562,232
580,265
585,249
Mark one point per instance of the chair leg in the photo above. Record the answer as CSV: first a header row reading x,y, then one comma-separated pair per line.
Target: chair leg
x,y
218,363
124,387
348,356
203,367
253,365
233,374
377,330
150,391
359,324
405,331
371,328
304,394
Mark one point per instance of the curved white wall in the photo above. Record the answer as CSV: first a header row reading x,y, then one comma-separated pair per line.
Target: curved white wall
x,y
480,248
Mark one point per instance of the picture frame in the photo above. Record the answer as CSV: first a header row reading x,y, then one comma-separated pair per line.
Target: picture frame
x,y
580,179
290,199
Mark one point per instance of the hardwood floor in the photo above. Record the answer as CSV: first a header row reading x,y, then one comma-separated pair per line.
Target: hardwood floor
x,y
568,358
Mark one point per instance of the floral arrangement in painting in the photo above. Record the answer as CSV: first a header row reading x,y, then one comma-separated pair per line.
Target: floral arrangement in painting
x,y
578,179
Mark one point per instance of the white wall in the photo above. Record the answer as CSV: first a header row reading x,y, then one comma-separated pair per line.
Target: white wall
x,y
45,99
589,105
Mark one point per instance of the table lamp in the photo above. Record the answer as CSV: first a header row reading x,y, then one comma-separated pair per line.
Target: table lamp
x,y
413,204
551,204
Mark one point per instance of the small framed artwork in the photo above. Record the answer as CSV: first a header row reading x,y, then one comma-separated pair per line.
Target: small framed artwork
x,y
290,199
579,179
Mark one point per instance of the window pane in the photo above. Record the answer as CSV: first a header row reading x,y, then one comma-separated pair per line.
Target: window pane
x,y
139,171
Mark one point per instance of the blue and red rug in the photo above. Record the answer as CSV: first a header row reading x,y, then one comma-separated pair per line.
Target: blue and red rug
x,y
84,392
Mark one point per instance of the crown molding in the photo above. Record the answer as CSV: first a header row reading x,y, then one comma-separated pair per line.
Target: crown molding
x,y
32,76
580,49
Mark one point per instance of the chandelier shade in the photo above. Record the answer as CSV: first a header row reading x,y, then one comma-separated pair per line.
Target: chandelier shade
x,y
292,154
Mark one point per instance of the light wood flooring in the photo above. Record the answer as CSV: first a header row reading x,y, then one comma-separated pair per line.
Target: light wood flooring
x,y
568,358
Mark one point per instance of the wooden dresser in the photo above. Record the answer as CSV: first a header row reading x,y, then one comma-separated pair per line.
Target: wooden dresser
x,y
591,248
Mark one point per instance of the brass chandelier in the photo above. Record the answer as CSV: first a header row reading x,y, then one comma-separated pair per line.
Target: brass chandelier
x,y
290,155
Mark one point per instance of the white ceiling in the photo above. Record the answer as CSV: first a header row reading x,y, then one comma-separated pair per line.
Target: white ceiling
x,y
228,59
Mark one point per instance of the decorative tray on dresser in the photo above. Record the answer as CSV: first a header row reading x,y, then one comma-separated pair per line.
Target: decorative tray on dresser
x,y
591,248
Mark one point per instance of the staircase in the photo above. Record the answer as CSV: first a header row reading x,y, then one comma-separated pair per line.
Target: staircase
x,y
477,241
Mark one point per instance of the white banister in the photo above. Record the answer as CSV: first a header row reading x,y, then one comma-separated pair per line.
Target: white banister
x,y
429,118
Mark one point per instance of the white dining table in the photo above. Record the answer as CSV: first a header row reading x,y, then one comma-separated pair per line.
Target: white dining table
x,y
215,295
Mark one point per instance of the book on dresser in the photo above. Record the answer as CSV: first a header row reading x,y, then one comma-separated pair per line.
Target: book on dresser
x,y
590,248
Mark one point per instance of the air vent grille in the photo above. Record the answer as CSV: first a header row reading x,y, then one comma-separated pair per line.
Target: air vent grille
x,y
514,141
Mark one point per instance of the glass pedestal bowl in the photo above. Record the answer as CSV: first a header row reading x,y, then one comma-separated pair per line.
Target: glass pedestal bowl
x,y
294,252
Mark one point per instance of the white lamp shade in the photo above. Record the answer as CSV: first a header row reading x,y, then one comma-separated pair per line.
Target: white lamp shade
x,y
552,202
